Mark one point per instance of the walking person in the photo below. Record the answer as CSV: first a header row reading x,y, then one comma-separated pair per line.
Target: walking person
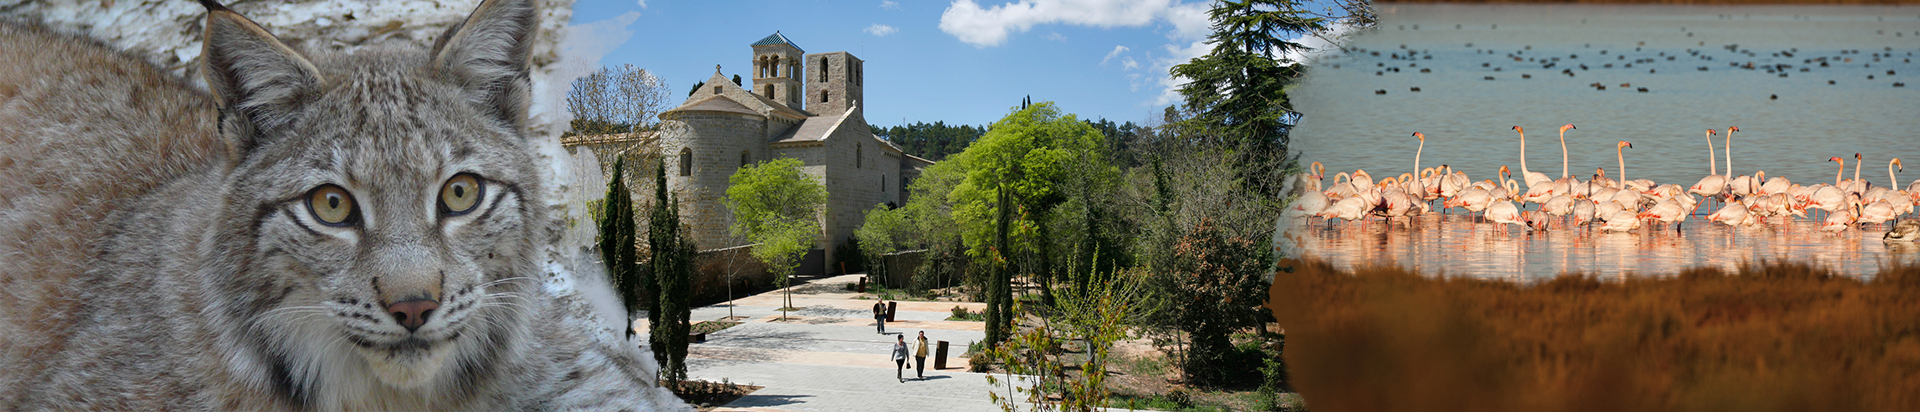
x,y
880,317
920,357
899,356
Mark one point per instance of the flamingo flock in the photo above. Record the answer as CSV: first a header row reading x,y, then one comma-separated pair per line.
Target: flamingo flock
x,y
1615,205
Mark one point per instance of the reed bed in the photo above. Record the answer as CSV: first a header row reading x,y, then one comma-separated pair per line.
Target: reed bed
x,y
1772,336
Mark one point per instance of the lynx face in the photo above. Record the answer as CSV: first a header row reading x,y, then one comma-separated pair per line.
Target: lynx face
x,y
391,201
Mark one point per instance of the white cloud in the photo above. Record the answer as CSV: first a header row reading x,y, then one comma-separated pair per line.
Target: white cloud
x,y
881,30
643,3
987,27
890,5
1110,55
1056,36
1176,54
1128,63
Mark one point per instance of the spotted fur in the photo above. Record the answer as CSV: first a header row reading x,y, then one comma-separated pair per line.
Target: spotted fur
x,y
159,251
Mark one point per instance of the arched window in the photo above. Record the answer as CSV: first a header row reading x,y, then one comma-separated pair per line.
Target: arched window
x,y
746,157
686,162
858,150
883,183
823,68
823,96
769,91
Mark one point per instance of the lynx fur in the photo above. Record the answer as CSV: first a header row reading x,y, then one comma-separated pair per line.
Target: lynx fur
x,y
261,245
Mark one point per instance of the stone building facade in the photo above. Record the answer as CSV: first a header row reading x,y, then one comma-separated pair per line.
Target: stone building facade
x,y
802,106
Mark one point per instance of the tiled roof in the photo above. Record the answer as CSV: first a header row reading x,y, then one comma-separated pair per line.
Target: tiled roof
x,y
813,129
777,38
715,104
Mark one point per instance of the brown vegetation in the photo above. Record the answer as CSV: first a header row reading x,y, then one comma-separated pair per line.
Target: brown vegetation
x,y
1673,2
1772,336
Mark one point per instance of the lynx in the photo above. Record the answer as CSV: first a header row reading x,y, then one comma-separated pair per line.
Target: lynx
x,y
340,232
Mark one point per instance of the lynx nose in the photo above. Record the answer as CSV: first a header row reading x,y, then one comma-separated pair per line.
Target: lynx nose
x,y
413,312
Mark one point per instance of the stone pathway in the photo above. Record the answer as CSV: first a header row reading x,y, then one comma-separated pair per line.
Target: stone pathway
x,y
827,357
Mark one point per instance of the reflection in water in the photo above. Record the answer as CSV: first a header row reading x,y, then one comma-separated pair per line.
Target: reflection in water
x,y
1457,244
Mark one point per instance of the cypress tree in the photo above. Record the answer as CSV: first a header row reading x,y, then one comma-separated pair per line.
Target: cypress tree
x,y
672,253
617,244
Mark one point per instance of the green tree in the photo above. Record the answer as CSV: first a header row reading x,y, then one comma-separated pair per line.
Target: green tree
x,y
1237,92
882,232
776,205
736,80
1036,154
617,245
672,264
696,88
1217,285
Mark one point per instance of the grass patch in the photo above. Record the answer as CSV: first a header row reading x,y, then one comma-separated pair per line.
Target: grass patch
x,y
707,395
962,314
712,326
1770,336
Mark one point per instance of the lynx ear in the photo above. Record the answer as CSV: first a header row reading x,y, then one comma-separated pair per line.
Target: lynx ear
x,y
488,54
255,78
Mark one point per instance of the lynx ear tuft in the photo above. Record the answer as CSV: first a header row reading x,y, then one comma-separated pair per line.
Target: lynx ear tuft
x,y
488,53
255,78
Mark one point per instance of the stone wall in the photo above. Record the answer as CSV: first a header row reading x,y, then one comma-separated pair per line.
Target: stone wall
x,y
715,141
842,81
713,268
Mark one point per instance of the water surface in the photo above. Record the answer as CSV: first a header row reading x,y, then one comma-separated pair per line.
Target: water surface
x,y
1467,120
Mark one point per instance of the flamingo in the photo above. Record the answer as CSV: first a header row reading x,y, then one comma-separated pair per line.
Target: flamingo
x,y
1535,220
1621,221
1503,212
1879,211
1584,209
1774,185
1843,219
1559,206
1667,211
1563,150
1714,184
1342,187
1733,214
1906,231
1310,181
1308,205
1855,185
1620,153
1416,152
1528,176
1352,208
1893,180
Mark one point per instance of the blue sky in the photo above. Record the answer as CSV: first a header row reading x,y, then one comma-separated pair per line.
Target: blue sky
x,y
962,62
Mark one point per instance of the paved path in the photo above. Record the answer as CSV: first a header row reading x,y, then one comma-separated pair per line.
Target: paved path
x,y
827,357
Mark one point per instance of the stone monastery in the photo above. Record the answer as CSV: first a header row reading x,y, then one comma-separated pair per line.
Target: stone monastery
x,y
799,105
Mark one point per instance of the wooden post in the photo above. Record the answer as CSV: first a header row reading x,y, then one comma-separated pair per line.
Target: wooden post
x,y
940,356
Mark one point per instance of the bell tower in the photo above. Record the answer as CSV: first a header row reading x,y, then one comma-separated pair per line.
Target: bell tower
x,y
777,69
834,82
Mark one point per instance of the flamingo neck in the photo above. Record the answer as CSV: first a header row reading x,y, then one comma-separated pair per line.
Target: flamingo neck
x,y
1622,155
1840,172
1563,154
1523,155
1729,150
1416,156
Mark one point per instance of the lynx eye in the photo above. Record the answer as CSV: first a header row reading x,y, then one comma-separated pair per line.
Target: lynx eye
x,y
331,205
460,194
